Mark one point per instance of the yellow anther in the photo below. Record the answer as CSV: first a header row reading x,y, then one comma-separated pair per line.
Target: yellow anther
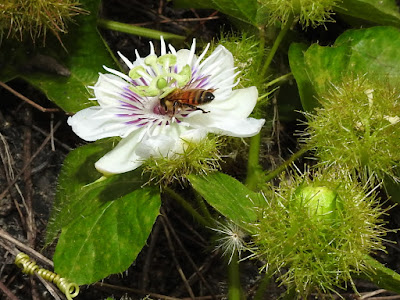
x,y
167,60
150,60
137,72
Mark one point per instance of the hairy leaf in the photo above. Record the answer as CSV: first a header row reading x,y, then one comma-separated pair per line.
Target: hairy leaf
x,y
229,197
82,189
371,52
382,276
85,58
108,240
383,12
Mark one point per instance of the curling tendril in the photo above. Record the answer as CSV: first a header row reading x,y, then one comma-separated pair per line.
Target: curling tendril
x,y
70,290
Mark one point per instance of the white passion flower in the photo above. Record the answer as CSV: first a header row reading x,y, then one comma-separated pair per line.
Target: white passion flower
x,y
130,106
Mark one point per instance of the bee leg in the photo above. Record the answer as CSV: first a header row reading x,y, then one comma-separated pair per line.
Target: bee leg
x,y
174,106
204,112
163,104
196,108
167,106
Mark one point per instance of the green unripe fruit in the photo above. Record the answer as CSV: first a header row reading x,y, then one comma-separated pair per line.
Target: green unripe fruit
x,y
322,203
357,128
319,227
296,7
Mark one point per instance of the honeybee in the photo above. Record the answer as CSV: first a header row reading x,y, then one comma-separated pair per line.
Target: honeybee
x,y
180,98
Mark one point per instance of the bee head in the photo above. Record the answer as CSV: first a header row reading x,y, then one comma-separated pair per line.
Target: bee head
x,y
208,97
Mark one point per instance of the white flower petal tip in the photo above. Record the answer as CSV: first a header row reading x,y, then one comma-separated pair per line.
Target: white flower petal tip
x,y
122,158
241,128
107,166
165,102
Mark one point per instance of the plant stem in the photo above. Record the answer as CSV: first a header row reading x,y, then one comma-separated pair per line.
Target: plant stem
x,y
261,49
289,294
187,206
276,44
234,290
263,286
281,78
276,80
136,30
286,164
253,167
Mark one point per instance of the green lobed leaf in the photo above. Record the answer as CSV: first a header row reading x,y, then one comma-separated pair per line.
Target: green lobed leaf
x,y
382,276
108,240
81,190
87,53
297,65
246,11
371,52
383,12
229,197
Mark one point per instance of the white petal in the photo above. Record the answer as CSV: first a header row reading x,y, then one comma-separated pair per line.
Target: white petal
x,y
94,123
139,61
229,117
163,47
223,90
194,135
172,49
158,146
220,66
170,143
191,55
118,73
239,104
137,54
182,58
126,60
122,158
108,89
160,141
174,130
152,52
202,55
189,136
237,128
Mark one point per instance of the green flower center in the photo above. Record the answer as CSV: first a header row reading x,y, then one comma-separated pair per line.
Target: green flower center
x,y
165,81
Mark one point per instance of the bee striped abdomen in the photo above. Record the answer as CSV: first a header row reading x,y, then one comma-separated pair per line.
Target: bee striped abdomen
x,y
181,98
192,96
